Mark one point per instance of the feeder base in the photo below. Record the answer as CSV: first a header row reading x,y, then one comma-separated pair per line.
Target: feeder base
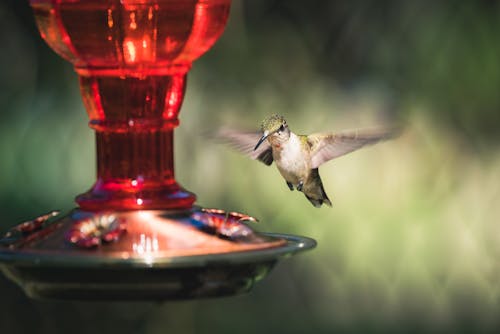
x,y
150,255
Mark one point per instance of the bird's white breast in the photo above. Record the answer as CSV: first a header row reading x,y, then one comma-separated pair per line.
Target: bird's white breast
x,y
291,160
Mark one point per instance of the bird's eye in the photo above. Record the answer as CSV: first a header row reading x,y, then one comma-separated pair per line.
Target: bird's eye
x,y
282,128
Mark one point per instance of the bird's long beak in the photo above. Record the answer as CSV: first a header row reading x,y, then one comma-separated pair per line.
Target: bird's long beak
x,y
264,137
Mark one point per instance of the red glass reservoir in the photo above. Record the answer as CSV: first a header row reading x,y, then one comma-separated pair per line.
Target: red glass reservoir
x,y
132,58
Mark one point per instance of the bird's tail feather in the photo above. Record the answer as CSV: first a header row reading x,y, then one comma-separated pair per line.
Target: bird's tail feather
x,y
323,197
319,202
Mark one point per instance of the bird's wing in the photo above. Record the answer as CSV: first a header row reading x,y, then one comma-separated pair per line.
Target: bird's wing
x,y
328,146
245,141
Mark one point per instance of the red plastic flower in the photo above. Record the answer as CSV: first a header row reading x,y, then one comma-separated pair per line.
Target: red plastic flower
x,y
94,231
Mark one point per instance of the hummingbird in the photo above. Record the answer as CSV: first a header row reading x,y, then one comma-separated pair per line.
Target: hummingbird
x,y
298,157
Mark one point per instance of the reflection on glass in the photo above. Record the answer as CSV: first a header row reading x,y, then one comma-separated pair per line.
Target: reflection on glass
x,y
146,247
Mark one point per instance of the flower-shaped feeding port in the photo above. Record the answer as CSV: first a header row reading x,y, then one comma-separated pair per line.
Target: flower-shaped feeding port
x,y
137,234
23,231
94,231
230,225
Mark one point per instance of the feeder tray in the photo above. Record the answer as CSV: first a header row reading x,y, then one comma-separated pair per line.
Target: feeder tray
x,y
141,255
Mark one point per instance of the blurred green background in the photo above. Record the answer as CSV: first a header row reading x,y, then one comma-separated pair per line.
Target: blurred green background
x,y
412,243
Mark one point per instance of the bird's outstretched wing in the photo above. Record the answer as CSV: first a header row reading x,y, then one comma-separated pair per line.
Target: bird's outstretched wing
x,y
328,146
245,141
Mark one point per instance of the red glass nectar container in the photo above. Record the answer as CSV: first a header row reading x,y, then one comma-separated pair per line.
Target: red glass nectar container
x,y
132,59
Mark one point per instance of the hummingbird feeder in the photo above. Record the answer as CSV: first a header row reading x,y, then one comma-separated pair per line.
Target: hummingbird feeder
x,y
136,234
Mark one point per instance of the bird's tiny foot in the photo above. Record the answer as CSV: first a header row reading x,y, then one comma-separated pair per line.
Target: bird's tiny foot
x,y
290,185
300,186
